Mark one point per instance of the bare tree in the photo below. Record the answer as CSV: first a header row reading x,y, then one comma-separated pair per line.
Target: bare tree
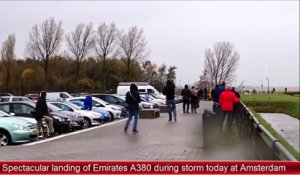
x,y
44,41
105,45
133,46
149,72
221,63
8,57
80,42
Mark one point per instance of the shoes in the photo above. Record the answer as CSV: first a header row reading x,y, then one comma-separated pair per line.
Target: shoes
x,y
135,131
169,120
125,130
52,134
175,120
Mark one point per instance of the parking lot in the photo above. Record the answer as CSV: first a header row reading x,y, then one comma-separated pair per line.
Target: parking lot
x,y
157,139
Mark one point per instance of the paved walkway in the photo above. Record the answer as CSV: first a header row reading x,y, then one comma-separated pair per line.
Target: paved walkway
x,y
158,139
287,126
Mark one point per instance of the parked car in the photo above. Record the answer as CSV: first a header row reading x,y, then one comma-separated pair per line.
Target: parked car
x,y
153,100
13,98
112,99
5,94
15,130
143,104
66,121
106,115
58,95
32,96
115,111
89,117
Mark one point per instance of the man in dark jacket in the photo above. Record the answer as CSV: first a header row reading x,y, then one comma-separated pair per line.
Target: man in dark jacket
x,y
133,99
169,92
42,113
186,95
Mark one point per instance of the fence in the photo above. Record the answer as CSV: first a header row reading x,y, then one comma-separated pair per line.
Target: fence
x,y
253,134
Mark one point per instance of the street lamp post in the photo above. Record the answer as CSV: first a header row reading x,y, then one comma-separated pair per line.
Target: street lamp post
x,y
262,86
268,84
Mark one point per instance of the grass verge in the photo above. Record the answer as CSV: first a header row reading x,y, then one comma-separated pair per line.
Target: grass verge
x,y
288,146
273,103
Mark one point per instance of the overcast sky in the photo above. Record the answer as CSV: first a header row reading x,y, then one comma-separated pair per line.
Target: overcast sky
x,y
266,34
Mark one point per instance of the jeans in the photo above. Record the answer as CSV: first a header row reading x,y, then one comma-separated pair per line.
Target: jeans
x,y
171,109
135,114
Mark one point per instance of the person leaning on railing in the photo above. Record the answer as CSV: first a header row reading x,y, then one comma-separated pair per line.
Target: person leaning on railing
x,y
227,100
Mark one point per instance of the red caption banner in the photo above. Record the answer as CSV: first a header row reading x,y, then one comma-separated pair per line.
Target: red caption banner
x,y
149,167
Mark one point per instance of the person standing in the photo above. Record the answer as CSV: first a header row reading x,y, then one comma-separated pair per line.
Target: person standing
x,y
169,92
227,100
194,100
88,102
42,112
200,94
133,99
186,95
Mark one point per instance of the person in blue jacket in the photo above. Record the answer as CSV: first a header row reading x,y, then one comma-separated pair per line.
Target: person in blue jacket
x,y
88,102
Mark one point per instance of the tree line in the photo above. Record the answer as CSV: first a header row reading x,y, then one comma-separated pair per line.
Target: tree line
x,y
95,60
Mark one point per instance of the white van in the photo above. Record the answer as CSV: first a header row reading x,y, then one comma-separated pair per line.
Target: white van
x,y
143,87
58,96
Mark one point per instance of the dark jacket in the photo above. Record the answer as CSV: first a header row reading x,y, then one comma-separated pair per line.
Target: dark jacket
x,y
169,91
219,91
41,108
133,98
186,94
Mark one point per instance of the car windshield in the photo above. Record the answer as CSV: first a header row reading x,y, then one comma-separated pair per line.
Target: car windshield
x,y
100,101
78,103
53,108
143,98
119,99
3,114
73,105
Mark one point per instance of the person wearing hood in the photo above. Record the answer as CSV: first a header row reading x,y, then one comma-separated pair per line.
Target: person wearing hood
x,y
133,99
42,113
169,92
88,102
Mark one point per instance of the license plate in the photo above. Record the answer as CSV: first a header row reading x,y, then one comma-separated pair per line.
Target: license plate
x,y
35,132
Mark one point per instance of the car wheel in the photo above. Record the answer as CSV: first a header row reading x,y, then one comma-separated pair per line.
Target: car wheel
x,y
86,123
4,138
112,116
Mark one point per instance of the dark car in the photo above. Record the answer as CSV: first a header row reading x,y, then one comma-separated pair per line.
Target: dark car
x,y
65,121
112,99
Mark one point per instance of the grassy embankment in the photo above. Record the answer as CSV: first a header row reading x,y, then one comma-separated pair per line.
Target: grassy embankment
x,y
274,103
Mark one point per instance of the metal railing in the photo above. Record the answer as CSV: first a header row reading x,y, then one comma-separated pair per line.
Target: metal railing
x,y
255,136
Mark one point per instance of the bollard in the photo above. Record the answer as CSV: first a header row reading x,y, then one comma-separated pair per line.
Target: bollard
x,y
209,126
